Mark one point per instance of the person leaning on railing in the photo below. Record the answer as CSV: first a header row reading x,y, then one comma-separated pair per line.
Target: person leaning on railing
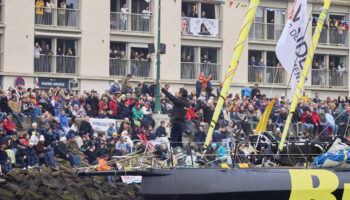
x,y
39,11
48,12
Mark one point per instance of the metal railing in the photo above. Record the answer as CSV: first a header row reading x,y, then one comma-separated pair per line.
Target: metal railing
x,y
57,17
329,78
333,36
56,64
266,31
268,75
190,70
131,22
122,67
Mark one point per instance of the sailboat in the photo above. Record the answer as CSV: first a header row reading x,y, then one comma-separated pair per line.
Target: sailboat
x,y
245,183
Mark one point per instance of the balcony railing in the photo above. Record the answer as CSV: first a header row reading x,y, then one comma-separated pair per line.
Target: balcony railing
x,y
266,31
122,67
131,22
55,64
190,70
329,78
333,36
57,17
267,75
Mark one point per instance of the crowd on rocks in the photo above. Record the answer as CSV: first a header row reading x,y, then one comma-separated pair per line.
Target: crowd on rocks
x,y
55,131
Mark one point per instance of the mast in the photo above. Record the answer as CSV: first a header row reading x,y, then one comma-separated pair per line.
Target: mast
x,y
305,71
250,15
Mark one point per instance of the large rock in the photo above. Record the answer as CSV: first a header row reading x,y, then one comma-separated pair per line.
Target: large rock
x,y
50,183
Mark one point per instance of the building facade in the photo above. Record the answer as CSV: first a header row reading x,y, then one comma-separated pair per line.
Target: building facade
x,y
88,44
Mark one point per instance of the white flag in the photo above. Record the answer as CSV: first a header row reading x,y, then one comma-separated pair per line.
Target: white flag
x,y
292,46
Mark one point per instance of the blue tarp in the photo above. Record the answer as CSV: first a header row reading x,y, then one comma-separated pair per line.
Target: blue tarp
x,y
341,156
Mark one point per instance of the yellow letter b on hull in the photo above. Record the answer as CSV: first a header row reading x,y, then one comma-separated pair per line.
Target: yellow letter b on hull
x,y
305,187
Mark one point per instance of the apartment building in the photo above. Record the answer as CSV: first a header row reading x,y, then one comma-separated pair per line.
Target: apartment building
x,y
89,44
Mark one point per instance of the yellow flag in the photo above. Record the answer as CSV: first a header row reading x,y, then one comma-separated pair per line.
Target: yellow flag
x,y
264,118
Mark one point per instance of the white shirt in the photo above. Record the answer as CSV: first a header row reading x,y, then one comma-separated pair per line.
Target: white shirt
x,y
49,7
146,14
124,13
37,52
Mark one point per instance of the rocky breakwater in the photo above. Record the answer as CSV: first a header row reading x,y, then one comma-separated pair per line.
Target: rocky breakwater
x,y
62,183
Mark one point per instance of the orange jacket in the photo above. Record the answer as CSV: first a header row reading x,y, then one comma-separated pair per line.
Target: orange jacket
x,y
102,163
204,81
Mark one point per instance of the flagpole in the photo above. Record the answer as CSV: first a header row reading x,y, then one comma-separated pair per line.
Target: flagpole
x,y
290,78
250,15
305,71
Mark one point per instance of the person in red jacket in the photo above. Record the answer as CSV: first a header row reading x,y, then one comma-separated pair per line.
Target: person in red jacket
x,y
316,121
9,126
191,116
307,121
113,105
204,80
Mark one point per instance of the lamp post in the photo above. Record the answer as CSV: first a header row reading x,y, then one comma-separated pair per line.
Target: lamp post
x,y
157,108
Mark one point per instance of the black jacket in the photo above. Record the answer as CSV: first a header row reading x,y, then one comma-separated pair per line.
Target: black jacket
x,y
85,127
180,108
61,150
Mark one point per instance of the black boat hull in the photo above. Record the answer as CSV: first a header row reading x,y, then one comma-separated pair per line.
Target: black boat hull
x,y
279,184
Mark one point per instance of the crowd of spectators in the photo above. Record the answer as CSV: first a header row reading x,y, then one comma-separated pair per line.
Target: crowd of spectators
x,y
57,133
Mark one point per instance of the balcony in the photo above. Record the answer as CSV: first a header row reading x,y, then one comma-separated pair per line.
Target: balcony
x,y
266,75
200,27
57,17
1,11
131,22
332,36
191,71
56,64
122,67
265,31
329,78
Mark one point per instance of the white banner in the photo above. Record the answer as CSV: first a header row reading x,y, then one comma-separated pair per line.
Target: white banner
x,y
131,179
292,46
101,124
203,27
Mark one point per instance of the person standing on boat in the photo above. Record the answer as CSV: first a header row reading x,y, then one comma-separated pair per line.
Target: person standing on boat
x,y
178,115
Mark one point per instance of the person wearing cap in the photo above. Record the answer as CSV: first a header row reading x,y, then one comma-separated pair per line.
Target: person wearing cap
x,y
178,115
111,130
137,113
125,111
115,88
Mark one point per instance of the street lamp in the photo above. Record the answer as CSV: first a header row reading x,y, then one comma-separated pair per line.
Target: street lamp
x,y
157,108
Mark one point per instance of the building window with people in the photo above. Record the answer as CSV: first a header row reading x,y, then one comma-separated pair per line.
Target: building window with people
x,y
197,60
57,13
62,59
131,15
200,19
268,24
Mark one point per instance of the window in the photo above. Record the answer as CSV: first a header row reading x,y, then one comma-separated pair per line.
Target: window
x,y
335,29
264,67
203,16
57,13
131,15
196,60
268,24
128,58
62,59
